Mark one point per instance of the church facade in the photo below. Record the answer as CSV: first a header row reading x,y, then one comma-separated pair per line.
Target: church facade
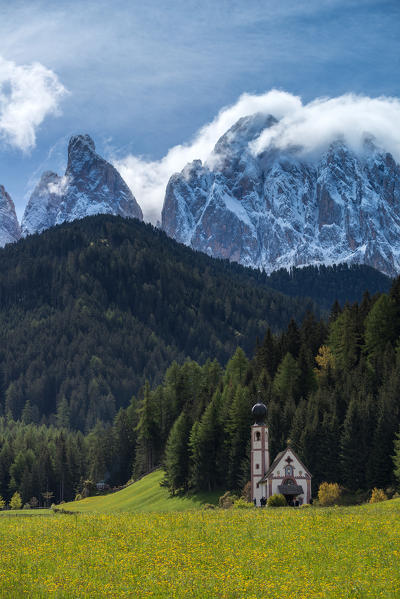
x,y
286,476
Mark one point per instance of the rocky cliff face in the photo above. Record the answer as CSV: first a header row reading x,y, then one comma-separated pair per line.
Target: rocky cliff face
x,y
9,227
90,186
282,209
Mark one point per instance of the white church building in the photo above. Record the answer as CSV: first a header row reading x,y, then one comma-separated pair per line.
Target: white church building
x,y
286,476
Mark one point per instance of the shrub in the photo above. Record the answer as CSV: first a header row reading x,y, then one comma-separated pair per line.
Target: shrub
x,y
328,493
377,495
305,505
242,504
209,506
34,502
390,491
2,503
246,492
16,501
27,506
227,500
78,497
276,500
89,488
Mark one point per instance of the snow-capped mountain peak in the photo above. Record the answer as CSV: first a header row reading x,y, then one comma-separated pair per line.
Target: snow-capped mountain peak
x,y
281,208
9,227
89,186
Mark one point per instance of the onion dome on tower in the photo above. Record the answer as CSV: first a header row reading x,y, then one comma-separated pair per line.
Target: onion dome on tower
x,y
259,412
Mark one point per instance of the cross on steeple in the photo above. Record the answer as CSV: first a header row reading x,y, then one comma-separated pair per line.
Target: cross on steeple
x,y
289,459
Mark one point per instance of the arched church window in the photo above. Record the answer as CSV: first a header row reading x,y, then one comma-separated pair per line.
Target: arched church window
x,y
288,470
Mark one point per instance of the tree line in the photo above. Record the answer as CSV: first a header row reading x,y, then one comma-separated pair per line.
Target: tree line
x,y
332,392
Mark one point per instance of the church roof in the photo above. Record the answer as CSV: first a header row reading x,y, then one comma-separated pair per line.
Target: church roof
x,y
278,459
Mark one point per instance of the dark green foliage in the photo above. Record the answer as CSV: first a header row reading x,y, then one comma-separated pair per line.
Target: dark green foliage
x,y
396,458
91,309
325,284
176,454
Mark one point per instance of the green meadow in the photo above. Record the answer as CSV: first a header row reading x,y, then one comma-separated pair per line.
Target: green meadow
x,y
145,495
180,550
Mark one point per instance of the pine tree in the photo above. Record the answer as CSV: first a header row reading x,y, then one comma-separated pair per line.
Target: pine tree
x,y
381,327
207,449
344,340
237,435
286,383
147,434
63,413
352,457
177,455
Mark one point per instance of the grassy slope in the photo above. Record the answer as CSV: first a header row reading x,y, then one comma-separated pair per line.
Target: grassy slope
x,y
145,495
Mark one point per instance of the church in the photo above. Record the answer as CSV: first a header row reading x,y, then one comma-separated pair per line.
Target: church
x,y
286,476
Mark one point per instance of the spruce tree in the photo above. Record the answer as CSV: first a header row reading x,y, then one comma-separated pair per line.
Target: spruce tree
x,y
177,454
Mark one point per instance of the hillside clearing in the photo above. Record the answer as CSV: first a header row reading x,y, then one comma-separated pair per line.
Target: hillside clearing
x,y
145,495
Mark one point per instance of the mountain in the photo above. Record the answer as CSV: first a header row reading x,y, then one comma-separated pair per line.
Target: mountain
x,y
281,208
9,227
89,186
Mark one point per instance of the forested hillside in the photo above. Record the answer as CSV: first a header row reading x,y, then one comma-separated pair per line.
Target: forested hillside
x,y
331,391
90,310
326,284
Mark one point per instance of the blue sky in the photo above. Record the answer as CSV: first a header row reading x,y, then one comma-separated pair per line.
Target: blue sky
x,y
143,77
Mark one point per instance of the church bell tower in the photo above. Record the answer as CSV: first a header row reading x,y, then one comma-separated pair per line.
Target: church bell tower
x,y
259,450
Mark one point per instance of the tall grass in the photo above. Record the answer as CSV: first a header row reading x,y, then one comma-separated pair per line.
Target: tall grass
x,y
275,553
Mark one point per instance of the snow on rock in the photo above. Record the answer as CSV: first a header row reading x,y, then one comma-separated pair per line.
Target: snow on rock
x,y
9,227
282,209
90,186
44,204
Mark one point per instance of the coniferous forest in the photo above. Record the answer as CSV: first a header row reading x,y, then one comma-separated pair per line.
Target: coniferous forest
x,y
122,350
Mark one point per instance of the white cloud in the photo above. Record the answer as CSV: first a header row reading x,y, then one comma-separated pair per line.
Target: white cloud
x,y
312,126
28,93
148,179
58,187
315,125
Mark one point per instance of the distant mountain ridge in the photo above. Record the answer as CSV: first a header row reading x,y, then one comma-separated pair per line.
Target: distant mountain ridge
x,y
10,230
273,210
280,209
90,185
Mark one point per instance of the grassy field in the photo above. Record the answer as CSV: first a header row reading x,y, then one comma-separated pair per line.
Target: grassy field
x,y
275,553
145,495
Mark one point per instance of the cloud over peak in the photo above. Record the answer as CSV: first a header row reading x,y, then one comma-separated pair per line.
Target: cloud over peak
x,y
311,126
350,117
28,94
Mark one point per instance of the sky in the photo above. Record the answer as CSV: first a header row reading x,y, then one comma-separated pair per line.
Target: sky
x,y
154,83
